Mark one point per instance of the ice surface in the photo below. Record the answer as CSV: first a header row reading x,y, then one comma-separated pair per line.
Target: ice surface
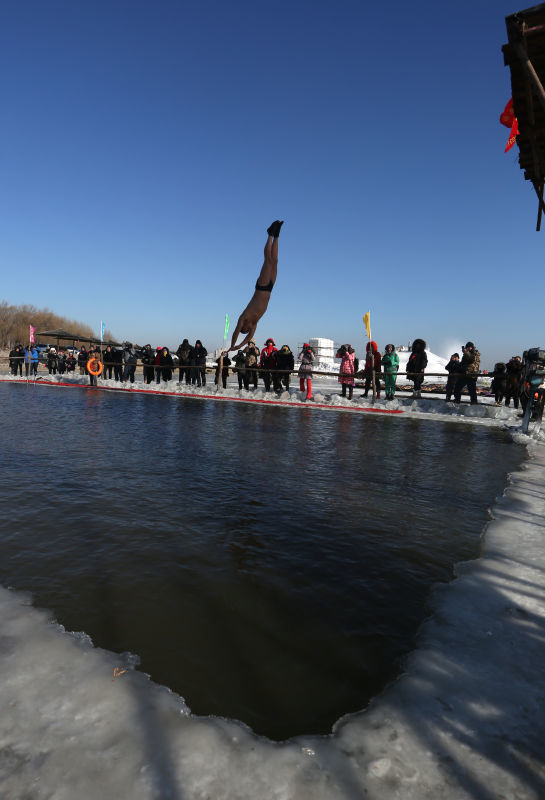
x,y
465,720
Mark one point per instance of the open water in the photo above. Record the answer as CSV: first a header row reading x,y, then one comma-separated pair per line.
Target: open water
x,y
268,564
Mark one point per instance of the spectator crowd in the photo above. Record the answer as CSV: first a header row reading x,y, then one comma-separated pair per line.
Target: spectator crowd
x,y
273,367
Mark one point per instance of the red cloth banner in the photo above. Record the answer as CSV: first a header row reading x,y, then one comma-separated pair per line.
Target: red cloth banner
x,y
508,114
513,135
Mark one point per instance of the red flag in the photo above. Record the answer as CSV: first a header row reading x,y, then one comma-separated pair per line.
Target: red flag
x,y
508,115
513,135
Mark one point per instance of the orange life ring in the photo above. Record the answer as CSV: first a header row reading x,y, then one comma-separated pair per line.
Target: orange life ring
x,y
94,370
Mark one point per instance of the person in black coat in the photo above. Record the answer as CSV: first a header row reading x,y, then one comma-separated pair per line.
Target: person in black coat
x,y
117,358
83,356
240,368
499,382
185,354
513,380
285,361
52,361
16,358
61,361
224,370
147,356
454,369
417,363
198,364
108,363
130,360
166,363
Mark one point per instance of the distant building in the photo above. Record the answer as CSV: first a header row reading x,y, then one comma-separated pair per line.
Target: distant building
x,y
324,351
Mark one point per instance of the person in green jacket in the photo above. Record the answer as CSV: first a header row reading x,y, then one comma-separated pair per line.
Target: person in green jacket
x,y
390,362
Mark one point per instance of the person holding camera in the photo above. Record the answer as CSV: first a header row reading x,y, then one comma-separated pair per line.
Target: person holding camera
x,y
453,368
252,362
469,369
347,354
306,357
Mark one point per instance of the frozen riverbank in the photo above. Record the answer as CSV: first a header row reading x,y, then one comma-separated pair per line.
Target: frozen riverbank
x,y
326,395
464,720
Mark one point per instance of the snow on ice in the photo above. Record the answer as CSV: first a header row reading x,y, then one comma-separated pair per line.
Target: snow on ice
x,y
465,720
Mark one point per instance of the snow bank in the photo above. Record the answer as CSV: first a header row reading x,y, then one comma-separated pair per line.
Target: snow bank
x,y
326,394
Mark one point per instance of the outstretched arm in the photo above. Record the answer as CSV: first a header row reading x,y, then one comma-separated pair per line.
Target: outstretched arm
x,y
246,326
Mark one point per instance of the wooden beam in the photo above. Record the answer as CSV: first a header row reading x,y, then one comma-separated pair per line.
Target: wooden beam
x,y
541,205
538,86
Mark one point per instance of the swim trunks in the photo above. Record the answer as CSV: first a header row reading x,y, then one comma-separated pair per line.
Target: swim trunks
x,y
267,288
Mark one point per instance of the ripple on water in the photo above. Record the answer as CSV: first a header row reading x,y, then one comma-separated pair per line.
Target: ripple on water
x,y
268,564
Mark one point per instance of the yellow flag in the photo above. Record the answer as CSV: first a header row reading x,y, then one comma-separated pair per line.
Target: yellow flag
x,y
367,323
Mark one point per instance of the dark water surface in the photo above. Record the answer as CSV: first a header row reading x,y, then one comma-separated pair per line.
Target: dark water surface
x,y
268,564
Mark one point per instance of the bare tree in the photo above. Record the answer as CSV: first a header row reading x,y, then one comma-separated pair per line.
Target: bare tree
x,y
15,323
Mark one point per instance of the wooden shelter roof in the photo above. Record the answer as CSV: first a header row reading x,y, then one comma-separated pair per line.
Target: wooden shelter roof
x,y
73,337
524,54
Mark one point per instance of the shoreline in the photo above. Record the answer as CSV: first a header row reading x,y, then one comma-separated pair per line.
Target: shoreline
x,y
326,397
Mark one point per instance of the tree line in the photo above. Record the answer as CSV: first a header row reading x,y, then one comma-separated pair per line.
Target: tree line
x,y
15,322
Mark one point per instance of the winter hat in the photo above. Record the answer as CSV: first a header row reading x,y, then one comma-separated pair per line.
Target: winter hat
x,y
470,344
158,349
455,355
269,341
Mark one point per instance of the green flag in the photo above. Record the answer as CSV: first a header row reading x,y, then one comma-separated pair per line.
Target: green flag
x,y
226,326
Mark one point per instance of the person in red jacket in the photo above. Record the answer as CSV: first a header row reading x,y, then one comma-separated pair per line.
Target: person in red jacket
x,y
373,361
268,362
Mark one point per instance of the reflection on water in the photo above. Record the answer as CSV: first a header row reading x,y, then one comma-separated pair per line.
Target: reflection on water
x,y
268,564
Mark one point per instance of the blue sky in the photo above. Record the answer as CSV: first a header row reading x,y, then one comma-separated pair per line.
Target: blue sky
x,y
146,147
